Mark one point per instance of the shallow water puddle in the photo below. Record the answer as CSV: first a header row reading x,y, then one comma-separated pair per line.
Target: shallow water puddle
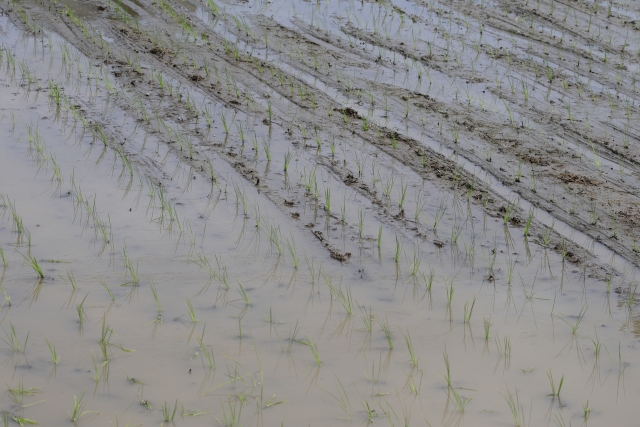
x,y
171,296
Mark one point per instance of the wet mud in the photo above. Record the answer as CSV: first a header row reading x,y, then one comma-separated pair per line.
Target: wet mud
x,y
320,213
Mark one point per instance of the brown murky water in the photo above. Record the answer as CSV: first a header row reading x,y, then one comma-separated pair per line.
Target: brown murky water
x,y
318,213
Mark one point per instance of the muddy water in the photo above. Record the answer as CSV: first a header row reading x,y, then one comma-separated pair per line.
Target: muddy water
x,y
188,275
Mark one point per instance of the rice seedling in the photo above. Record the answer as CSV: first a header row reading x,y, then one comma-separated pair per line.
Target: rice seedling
x,y
517,411
327,199
240,327
343,297
243,295
7,298
81,312
274,233
386,328
155,297
371,413
487,326
575,325
191,311
398,249
54,93
367,318
13,341
17,394
403,194
519,172
554,392
104,285
412,357
586,410
287,160
54,354
468,310
240,131
549,73
292,337
272,402
104,342
459,401
456,230
208,356
221,275
387,186
455,133
417,259
2,256
507,213
225,124
32,262
342,397
527,225
313,347
442,207
98,369
270,318
167,413
78,409
546,234
292,251
420,204
449,289
267,150
72,280
503,347
22,421
129,267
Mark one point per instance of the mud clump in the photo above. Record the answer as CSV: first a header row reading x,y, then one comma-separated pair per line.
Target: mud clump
x,y
572,178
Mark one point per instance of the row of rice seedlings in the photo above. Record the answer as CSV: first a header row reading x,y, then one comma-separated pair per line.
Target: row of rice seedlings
x,y
36,144
294,257
454,391
81,310
60,99
101,226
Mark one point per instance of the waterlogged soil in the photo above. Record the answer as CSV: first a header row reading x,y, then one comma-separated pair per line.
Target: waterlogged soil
x,y
319,213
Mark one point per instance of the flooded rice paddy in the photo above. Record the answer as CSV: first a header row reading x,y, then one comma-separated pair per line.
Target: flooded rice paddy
x,y
325,213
